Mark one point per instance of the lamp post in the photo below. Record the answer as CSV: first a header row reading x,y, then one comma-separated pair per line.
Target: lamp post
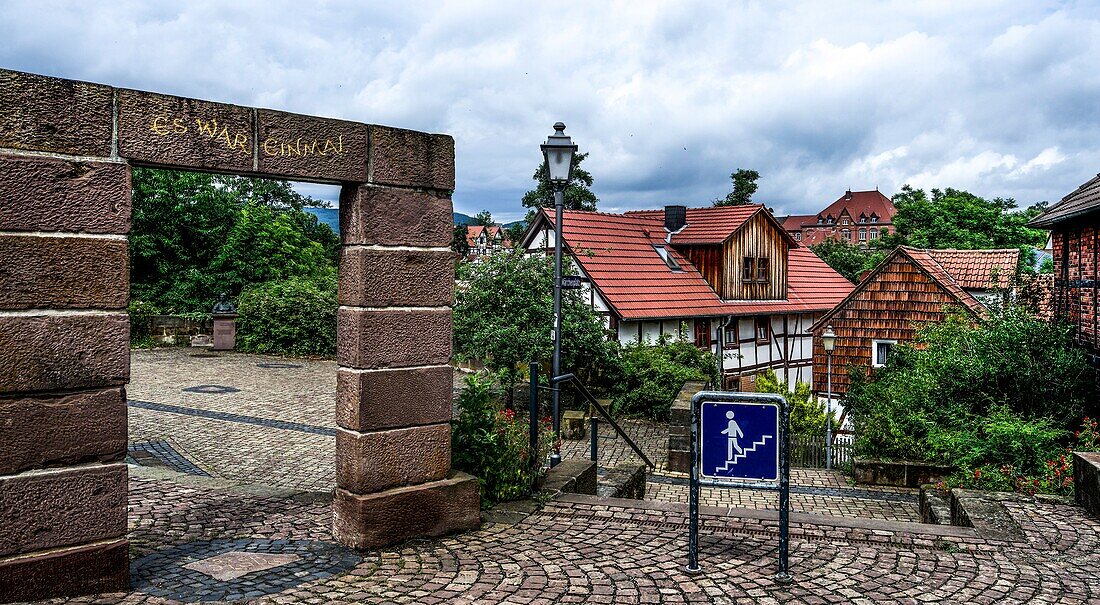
x,y
828,341
559,153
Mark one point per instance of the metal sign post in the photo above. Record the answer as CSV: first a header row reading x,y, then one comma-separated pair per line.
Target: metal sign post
x,y
571,282
740,440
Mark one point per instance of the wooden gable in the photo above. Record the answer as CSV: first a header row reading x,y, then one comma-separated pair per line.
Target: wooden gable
x,y
890,305
759,238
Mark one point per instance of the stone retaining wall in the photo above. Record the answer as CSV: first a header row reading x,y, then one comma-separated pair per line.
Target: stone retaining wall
x,y
66,149
898,474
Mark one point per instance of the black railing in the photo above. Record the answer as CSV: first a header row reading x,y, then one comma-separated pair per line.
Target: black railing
x,y
583,390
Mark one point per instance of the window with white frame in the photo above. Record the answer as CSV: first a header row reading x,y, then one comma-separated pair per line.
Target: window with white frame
x,y
874,234
880,352
862,235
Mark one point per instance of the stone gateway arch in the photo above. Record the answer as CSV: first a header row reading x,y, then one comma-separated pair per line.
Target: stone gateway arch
x,y
66,149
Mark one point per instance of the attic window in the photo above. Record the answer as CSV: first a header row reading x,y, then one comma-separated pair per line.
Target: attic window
x,y
665,256
754,269
874,219
862,219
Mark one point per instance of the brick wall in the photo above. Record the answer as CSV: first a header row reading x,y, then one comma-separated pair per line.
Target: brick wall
x,y
65,154
1076,252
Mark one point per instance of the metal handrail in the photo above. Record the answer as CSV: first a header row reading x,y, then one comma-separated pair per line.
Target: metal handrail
x,y
599,408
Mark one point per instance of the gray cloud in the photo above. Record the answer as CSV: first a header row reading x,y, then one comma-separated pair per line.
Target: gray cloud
x,y
669,98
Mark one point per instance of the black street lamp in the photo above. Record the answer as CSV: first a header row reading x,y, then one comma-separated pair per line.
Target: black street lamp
x,y
559,152
828,342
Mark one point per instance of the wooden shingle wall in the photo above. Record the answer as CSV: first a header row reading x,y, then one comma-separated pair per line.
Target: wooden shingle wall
x,y
897,300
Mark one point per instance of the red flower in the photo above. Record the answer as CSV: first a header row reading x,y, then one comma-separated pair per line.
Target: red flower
x,y
977,473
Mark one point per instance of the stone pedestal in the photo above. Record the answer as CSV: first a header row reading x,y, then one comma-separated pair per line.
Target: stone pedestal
x,y
225,331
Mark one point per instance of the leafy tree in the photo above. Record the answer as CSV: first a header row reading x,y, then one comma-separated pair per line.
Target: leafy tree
x,y
505,314
651,373
577,195
953,218
459,243
807,414
293,316
744,185
195,235
848,260
515,232
483,218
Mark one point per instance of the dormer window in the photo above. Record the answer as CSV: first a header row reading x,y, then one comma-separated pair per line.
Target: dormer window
x,y
754,268
797,236
844,221
665,256
862,219
874,219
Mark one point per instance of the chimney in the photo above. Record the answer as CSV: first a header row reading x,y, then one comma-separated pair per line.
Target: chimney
x,y
848,194
675,218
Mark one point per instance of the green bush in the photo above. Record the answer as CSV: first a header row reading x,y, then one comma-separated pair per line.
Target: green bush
x,y
295,316
141,314
999,393
807,414
650,374
492,443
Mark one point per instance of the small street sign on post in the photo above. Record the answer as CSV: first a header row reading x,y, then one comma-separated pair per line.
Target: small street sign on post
x,y
571,282
740,440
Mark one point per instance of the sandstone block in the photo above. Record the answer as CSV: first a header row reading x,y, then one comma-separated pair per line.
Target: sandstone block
x,y
182,132
429,509
312,147
63,272
380,460
61,352
395,217
86,569
370,401
412,159
392,339
48,430
50,114
384,278
47,194
55,508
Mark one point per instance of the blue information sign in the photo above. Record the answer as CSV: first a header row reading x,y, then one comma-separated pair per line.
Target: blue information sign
x,y
739,441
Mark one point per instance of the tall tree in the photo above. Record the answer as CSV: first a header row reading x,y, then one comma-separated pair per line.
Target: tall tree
x,y
577,196
744,185
847,259
483,218
954,218
459,243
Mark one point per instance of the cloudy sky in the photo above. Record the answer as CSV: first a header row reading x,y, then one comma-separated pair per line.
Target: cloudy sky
x,y
1001,98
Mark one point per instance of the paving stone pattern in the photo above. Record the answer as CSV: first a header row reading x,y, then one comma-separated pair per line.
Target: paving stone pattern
x,y
599,551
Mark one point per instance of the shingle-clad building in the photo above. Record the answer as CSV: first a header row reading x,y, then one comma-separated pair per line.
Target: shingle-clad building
x,y
909,288
729,278
1074,223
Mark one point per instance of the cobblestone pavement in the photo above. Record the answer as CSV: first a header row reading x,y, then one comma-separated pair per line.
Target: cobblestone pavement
x,y
275,427
270,421
580,549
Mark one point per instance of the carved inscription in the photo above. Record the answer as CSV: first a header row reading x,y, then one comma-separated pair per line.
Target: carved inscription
x,y
222,135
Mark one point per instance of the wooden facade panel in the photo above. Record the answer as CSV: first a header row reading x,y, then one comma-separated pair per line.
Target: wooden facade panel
x,y
758,238
891,308
708,260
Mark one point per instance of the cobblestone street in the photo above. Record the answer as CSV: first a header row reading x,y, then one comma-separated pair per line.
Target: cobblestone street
x,y
580,549
231,501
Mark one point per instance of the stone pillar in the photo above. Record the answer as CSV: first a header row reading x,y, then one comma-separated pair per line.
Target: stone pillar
x,y
393,451
64,340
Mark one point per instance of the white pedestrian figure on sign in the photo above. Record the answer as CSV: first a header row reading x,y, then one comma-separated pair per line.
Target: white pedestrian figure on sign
x,y
732,433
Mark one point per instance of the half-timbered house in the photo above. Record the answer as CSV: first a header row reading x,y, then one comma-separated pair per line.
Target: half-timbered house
x,y
909,288
728,278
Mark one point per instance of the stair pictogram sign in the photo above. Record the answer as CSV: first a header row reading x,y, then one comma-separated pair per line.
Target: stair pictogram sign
x,y
739,441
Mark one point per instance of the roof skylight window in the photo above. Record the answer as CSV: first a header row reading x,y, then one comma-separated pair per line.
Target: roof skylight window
x,y
665,256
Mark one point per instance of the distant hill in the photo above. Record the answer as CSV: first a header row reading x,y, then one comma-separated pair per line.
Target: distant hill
x,y
463,219
328,216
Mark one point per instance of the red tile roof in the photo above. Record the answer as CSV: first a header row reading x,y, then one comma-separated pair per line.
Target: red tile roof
x,y
474,231
976,269
862,202
706,225
794,222
617,253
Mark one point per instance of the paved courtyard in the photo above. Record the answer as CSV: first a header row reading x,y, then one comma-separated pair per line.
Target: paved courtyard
x,y
197,539
231,502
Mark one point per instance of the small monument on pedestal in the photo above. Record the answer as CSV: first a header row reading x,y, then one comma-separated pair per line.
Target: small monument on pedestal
x,y
225,324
